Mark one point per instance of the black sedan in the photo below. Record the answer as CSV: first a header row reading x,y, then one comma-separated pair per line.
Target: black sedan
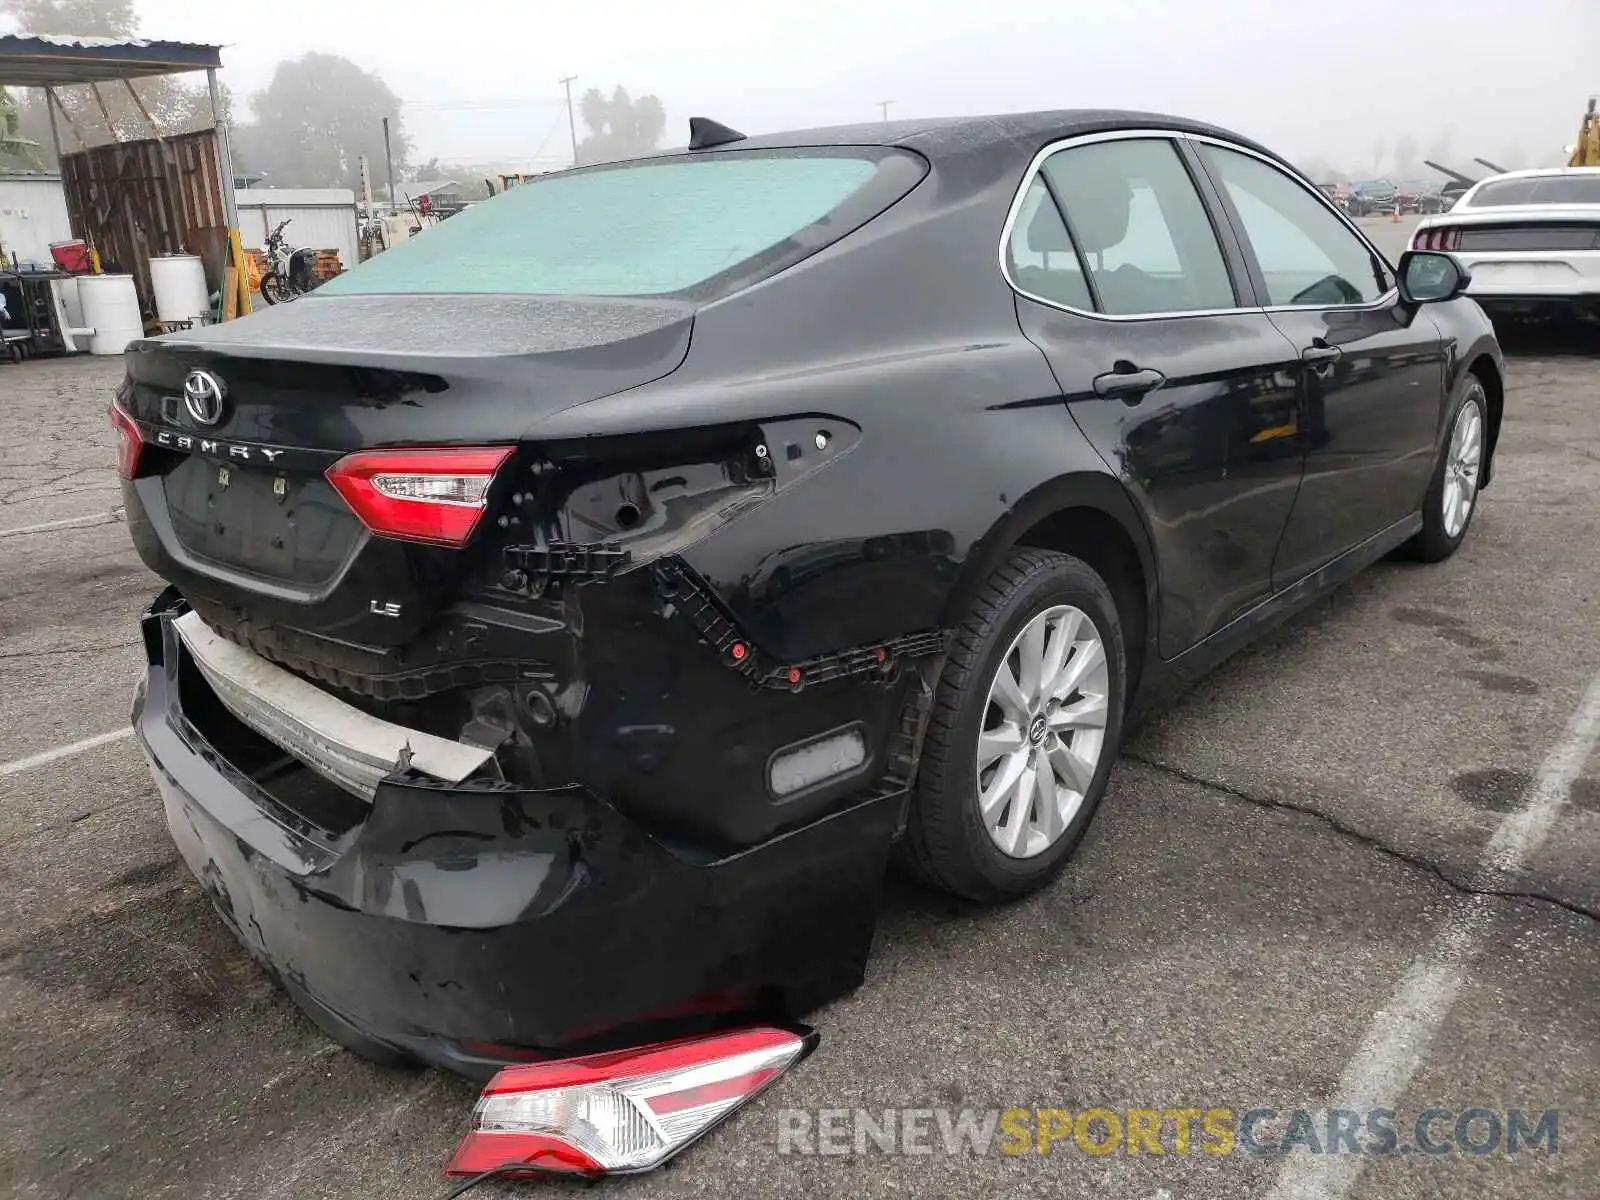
x,y
572,608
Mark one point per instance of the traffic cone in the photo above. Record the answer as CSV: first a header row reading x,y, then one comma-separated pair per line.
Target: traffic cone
x,y
1395,216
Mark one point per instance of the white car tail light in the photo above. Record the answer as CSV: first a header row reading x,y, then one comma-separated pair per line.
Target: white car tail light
x,y
621,1112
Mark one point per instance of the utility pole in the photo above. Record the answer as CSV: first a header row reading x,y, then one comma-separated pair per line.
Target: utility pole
x,y
572,122
388,154
884,106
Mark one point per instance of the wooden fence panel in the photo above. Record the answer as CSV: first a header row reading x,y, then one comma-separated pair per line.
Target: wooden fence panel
x,y
137,200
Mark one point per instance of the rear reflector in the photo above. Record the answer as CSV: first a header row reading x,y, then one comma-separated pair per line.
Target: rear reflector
x,y
129,441
621,1112
433,496
796,768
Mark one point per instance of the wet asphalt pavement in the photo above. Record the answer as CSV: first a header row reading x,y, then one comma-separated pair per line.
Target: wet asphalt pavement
x,y
1276,852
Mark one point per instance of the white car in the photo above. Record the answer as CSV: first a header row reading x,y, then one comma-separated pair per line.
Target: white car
x,y
1530,239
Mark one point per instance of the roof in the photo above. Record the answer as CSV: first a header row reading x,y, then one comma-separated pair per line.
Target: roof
x,y
949,135
1533,172
424,187
45,60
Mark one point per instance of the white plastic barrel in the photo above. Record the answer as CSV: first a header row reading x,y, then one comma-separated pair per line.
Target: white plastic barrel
x,y
71,302
179,282
111,309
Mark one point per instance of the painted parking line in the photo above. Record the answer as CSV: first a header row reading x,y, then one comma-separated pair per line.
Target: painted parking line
x,y
1401,1032
45,757
92,519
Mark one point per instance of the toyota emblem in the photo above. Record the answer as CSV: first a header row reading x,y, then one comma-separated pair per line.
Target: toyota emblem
x,y
202,396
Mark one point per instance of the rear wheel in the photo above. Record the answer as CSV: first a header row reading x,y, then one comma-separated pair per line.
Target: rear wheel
x,y
1453,495
1024,731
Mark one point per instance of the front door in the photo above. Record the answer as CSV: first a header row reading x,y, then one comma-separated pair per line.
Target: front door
x,y
1372,369
1186,392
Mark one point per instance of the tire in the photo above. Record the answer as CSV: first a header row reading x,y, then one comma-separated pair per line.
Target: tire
x,y
1441,534
948,844
274,290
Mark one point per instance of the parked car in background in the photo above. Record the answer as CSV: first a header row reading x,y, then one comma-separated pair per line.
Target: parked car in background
x,y
1371,196
1433,198
1450,193
557,641
1421,196
1529,239
1338,192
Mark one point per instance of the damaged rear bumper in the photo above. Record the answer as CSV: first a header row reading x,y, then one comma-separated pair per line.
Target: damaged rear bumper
x,y
474,923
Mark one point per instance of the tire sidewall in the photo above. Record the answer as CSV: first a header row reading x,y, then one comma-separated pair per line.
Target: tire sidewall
x,y
1042,591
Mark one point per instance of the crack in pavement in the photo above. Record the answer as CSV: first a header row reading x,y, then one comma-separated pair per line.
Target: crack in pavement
x,y
1453,882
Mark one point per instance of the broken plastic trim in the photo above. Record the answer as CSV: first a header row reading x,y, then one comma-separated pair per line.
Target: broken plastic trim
x,y
336,740
680,584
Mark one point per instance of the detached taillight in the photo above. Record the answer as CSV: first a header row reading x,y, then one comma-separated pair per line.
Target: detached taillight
x,y
130,442
621,1112
435,496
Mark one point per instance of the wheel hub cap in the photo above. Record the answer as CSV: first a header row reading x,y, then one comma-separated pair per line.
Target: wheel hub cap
x,y
1462,459
1043,731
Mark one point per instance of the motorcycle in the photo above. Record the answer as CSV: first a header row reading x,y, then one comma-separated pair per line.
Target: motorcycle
x,y
290,273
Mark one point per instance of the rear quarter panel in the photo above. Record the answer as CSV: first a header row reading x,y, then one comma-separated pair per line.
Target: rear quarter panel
x,y
907,330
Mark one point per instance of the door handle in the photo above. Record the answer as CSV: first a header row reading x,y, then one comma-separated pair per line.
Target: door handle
x,y
1320,353
1128,383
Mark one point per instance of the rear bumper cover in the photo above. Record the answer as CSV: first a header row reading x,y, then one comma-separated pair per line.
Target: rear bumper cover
x,y
470,925
1532,275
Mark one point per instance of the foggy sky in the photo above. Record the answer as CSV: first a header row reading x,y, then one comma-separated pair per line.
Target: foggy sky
x,y
1309,79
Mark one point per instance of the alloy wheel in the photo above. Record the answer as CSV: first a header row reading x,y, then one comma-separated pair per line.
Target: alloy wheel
x,y
1043,731
1461,464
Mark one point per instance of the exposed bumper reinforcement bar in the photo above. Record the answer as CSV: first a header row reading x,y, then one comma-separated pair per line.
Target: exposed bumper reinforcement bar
x,y
336,740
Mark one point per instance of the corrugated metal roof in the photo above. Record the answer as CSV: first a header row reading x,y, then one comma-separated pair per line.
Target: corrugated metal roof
x,y
53,60
423,187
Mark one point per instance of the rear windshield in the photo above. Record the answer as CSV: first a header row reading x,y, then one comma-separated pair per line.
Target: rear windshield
x,y
1540,189
689,226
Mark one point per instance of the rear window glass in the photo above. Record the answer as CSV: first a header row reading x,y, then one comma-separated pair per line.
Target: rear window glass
x,y
678,226
1539,189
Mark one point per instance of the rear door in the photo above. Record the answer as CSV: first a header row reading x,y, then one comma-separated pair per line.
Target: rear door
x,y
1185,389
1372,369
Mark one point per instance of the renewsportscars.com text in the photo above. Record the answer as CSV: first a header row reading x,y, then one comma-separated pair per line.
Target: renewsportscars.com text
x,y
1378,1132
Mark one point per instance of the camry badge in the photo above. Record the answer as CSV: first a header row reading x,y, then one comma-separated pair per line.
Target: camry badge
x,y
202,396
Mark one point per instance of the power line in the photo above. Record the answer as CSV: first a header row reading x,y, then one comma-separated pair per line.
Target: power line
x,y
506,102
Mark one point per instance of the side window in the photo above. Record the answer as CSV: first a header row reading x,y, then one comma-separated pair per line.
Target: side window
x,y
1040,254
1144,233
1306,254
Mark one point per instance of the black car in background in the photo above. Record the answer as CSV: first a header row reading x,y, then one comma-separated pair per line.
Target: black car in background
x,y
572,608
1369,196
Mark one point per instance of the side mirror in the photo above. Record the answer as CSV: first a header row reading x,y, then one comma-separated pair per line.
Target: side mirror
x,y
1428,277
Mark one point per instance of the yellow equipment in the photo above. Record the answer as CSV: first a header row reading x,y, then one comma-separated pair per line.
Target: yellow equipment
x,y
1587,152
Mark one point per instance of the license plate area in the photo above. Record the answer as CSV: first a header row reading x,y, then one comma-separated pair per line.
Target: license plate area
x,y
279,525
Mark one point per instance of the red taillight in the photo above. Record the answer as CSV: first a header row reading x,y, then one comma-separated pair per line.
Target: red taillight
x,y
129,440
622,1112
1438,238
433,496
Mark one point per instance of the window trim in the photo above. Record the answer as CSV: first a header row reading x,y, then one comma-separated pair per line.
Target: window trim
x,y
1220,218
1247,247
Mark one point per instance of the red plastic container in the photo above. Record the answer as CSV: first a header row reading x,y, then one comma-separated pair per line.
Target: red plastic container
x,y
72,257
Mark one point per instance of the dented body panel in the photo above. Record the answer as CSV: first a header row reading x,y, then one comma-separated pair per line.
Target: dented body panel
x,y
730,525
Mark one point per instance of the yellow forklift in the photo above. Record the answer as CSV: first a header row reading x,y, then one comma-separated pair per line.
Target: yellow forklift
x,y
1586,153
